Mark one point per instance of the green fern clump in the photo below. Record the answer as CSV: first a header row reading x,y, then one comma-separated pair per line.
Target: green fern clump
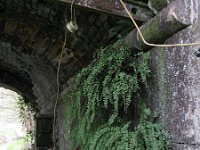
x,y
149,135
101,98
111,80
146,136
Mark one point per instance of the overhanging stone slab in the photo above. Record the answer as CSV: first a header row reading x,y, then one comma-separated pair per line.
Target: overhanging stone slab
x,y
140,12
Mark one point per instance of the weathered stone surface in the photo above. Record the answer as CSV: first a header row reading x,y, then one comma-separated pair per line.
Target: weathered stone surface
x,y
175,85
157,5
31,36
140,11
63,130
31,39
16,81
169,21
40,73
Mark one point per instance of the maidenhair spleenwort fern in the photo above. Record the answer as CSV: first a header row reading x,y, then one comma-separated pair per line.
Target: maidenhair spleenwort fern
x,y
100,103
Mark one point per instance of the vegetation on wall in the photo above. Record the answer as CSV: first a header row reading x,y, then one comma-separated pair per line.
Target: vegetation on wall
x,y
103,101
26,114
25,109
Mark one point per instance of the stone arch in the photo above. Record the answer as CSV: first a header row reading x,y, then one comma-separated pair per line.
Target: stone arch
x,y
34,77
29,41
31,38
16,81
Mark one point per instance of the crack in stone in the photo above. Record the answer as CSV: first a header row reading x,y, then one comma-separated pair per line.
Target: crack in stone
x,y
184,143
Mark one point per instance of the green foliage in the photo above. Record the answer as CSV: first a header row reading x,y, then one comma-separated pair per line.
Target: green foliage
x,y
146,136
26,113
16,145
29,137
149,135
101,100
24,109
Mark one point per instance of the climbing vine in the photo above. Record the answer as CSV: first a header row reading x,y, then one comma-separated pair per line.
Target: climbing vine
x,y
102,100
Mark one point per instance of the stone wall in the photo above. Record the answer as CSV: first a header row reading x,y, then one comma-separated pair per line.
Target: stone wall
x,y
174,91
31,38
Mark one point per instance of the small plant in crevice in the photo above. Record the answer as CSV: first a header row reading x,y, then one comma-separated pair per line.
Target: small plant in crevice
x,y
102,99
